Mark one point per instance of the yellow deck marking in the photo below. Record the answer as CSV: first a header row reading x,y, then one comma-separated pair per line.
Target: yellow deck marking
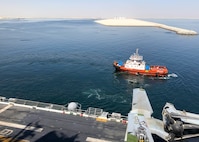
x,y
9,139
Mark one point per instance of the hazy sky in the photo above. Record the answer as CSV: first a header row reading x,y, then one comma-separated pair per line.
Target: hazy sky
x,y
100,8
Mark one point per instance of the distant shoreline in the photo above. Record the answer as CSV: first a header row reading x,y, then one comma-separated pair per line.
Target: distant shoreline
x,y
123,22
120,21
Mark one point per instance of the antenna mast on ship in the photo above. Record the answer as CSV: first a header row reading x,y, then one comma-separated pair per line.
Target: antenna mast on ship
x,y
137,51
136,56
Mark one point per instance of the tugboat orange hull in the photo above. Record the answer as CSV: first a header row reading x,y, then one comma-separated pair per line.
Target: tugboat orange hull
x,y
157,71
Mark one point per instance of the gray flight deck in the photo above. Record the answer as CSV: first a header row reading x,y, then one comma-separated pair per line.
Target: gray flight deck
x,y
31,121
24,124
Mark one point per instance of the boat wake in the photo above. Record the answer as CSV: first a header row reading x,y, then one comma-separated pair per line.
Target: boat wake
x,y
99,94
172,75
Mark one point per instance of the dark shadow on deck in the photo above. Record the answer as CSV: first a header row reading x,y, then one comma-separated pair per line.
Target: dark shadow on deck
x,y
52,136
55,136
26,133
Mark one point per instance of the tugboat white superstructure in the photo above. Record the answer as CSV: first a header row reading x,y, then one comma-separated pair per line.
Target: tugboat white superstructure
x,y
136,65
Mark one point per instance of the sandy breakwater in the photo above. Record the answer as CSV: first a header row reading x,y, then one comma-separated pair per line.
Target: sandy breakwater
x,y
140,23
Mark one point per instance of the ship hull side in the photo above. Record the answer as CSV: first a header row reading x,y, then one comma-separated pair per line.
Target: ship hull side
x,y
150,72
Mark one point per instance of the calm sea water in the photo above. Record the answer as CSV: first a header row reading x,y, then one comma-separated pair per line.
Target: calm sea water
x,y
59,61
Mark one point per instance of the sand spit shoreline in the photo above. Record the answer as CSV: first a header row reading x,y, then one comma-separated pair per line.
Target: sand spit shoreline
x,y
140,23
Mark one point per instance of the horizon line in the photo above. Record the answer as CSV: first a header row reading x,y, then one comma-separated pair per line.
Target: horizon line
x,y
3,18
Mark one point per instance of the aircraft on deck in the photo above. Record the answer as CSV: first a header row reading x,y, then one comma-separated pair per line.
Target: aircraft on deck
x,y
175,125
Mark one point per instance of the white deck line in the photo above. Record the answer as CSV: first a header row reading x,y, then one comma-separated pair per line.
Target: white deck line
x,y
5,108
89,139
20,126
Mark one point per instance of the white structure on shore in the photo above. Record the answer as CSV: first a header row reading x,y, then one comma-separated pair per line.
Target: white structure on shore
x,y
134,22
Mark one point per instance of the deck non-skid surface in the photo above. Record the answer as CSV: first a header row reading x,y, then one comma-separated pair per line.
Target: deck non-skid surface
x,y
32,125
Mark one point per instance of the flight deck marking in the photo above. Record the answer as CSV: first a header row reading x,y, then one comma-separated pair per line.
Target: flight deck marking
x,y
5,108
20,126
6,132
9,139
89,139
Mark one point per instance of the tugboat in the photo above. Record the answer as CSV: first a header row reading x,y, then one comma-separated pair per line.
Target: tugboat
x,y
136,65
